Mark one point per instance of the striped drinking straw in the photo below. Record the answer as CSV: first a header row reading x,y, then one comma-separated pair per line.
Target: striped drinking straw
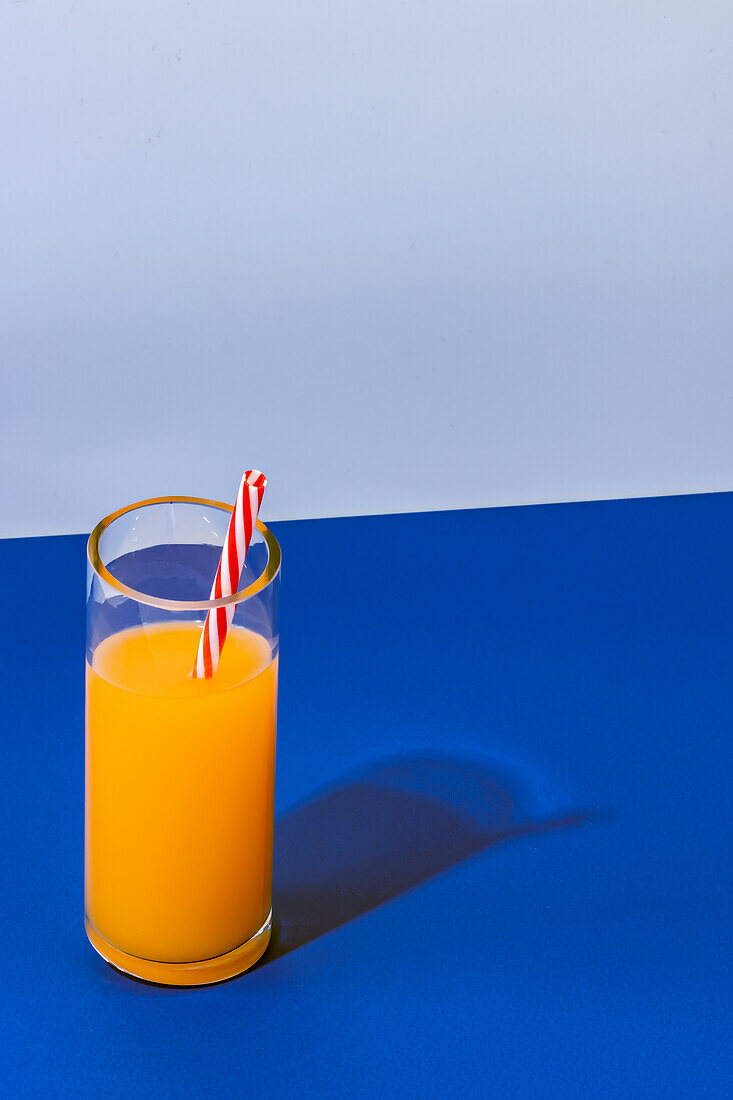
x,y
231,564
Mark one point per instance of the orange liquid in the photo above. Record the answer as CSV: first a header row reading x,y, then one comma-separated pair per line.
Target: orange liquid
x,y
180,778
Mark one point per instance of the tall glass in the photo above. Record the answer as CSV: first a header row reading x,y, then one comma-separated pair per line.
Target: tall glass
x,y
180,771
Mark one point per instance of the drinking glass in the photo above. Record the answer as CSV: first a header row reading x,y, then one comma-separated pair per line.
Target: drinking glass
x,y
180,771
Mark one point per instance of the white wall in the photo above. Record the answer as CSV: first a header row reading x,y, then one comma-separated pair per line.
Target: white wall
x,y
399,255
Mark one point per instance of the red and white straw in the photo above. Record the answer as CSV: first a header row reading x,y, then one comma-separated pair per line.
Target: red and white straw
x,y
231,564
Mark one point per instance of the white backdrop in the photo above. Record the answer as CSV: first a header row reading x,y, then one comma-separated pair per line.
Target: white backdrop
x,y
401,256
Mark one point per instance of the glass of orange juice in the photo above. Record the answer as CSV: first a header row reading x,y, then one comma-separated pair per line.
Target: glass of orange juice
x,y
180,771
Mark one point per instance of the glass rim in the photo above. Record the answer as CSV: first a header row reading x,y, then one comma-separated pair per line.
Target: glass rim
x,y
268,574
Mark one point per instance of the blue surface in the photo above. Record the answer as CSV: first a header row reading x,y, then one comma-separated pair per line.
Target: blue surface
x,y
500,867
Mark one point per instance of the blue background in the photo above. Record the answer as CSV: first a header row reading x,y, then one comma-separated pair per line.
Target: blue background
x,y
435,253
500,865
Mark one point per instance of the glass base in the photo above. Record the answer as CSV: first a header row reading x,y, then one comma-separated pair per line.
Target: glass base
x,y
195,973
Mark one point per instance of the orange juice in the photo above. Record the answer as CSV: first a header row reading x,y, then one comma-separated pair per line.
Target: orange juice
x,y
179,803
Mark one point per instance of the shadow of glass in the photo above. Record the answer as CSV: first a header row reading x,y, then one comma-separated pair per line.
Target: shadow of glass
x,y
384,830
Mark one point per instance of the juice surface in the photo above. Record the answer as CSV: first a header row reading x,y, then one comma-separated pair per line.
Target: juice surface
x,y
180,777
